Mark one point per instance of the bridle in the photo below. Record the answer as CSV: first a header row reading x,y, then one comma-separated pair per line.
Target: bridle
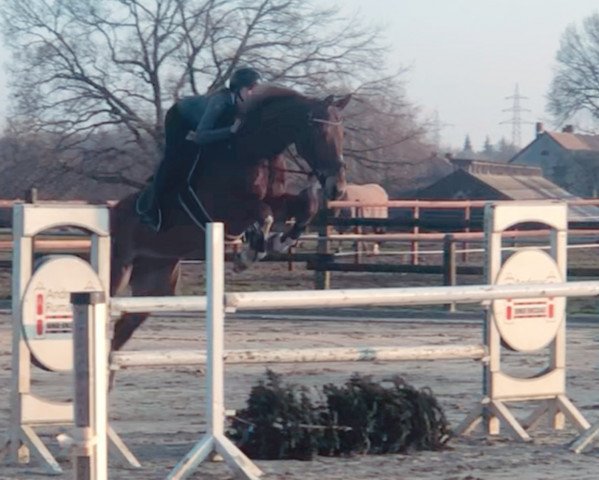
x,y
328,122
313,171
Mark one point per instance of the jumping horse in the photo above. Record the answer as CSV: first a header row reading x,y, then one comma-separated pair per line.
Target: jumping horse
x,y
240,183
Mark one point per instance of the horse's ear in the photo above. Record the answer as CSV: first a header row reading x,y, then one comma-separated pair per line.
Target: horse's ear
x,y
342,102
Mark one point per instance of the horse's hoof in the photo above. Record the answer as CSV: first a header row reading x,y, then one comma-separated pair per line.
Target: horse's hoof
x,y
239,268
246,258
240,264
111,380
275,243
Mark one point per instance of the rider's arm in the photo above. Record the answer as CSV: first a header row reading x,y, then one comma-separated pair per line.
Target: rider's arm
x,y
205,132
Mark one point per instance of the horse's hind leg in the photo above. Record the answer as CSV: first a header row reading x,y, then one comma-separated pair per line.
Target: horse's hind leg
x,y
149,277
120,274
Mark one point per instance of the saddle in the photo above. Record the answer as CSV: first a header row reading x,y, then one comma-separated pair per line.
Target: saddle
x,y
159,214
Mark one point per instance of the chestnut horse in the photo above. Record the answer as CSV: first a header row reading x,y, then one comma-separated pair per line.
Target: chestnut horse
x,y
240,183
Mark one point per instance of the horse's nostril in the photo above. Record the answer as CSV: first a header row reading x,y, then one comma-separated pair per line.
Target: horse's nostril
x,y
338,191
333,193
334,188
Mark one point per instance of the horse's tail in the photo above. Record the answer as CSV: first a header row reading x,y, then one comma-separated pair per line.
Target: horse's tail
x,y
115,216
122,213
122,218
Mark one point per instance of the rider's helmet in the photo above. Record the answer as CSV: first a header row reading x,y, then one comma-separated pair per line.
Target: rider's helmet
x,y
243,77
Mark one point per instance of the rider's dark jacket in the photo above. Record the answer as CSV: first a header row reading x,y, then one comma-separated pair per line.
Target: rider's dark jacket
x,y
209,117
203,112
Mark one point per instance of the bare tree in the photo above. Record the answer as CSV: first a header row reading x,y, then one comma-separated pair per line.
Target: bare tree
x,y
385,139
85,69
575,86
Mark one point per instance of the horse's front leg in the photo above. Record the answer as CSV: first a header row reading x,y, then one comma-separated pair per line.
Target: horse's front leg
x,y
254,247
302,207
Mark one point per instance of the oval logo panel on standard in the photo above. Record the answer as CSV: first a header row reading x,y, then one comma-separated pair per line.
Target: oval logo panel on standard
x,y
47,311
529,324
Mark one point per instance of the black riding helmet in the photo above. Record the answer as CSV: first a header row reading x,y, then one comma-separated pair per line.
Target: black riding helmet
x,y
243,77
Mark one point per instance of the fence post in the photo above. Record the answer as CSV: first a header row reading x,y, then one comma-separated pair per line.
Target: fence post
x,y
90,452
449,265
467,218
290,253
31,195
322,279
357,212
415,230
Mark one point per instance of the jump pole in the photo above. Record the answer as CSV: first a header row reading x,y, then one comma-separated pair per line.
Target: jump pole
x,y
214,439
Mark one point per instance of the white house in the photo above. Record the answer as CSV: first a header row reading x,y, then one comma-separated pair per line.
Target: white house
x,y
568,159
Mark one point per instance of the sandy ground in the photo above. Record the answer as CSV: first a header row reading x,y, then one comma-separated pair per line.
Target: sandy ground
x,y
158,412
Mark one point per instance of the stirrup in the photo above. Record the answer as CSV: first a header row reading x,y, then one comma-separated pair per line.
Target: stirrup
x,y
146,201
152,219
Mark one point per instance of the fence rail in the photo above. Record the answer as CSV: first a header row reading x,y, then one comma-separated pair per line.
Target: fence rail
x,y
323,261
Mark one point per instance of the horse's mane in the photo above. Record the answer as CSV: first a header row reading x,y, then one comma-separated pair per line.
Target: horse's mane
x,y
275,109
266,93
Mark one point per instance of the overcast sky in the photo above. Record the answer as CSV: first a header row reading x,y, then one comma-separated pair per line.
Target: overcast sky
x,y
466,56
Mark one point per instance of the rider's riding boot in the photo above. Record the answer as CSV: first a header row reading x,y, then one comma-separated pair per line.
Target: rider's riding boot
x,y
193,207
189,199
148,205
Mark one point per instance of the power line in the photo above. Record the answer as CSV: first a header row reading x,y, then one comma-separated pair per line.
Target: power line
x,y
437,127
516,119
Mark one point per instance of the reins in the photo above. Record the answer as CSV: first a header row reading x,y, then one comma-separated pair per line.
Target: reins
x,y
327,122
291,170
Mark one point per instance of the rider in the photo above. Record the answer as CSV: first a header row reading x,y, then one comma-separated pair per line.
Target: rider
x,y
189,124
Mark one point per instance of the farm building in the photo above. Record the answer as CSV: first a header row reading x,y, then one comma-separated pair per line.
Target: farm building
x,y
568,159
482,180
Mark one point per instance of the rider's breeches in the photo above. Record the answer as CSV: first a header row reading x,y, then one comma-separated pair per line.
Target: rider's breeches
x,y
179,154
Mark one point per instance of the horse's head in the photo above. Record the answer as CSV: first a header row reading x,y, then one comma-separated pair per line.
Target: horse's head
x,y
321,144
275,117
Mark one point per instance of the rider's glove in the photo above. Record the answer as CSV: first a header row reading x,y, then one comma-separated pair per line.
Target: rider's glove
x,y
236,125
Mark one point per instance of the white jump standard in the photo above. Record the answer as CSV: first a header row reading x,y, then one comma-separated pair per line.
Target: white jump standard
x,y
526,325
42,320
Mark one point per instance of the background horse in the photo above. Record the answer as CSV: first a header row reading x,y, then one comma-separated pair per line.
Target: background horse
x,y
240,183
367,193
